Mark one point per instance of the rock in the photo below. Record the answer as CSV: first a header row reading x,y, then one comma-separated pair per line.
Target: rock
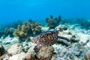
x,y
84,38
9,40
31,50
63,52
54,57
18,57
45,53
30,57
62,27
15,49
45,28
2,50
87,56
69,34
22,56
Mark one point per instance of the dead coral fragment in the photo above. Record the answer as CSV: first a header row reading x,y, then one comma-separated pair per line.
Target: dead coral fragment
x,y
53,22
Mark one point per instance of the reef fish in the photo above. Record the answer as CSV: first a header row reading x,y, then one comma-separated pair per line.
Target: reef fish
x,y
47,39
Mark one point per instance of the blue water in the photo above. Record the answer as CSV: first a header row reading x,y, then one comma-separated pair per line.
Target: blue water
x,y
13,10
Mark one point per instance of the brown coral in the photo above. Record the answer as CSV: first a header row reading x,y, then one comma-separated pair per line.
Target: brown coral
x,y
21,32
34,27
53,22
27,29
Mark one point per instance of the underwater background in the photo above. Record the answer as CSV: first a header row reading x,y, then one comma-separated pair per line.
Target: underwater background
x,y
13,10
44,30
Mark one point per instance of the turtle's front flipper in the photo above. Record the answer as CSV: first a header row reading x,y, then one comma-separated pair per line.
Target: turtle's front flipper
x,y
64,38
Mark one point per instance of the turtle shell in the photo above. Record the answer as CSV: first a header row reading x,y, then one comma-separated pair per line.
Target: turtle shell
x,y
46,39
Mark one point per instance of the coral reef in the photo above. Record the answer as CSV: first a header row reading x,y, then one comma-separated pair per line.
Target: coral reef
x,y
70,34
7,32
21,32
53,22
15,49
77,49
45,53
27,29
8,29
84,23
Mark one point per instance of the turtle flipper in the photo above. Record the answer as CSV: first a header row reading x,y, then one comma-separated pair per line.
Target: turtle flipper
x,y
37,48
64,38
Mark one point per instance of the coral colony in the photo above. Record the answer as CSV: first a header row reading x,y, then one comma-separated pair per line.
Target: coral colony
x,y
58,40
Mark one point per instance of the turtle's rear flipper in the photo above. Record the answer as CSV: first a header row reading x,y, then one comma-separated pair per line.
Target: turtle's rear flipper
x,y
64,38
37,48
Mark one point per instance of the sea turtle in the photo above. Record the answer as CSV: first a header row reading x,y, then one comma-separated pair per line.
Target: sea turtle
x,y
47,39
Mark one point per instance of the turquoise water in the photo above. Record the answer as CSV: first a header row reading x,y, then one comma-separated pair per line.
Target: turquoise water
x,y
14,10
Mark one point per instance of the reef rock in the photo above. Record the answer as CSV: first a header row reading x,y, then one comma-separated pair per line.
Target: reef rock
x,y
87,56
45,53
18,57
45,29
62,27
71,35
54,57
15,49
30,57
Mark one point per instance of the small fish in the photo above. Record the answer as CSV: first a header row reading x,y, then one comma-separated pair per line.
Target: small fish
x,y
47,39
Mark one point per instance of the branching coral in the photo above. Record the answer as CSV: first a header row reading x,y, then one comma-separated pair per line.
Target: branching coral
x,y
35,27
53,22
21,32
27,29
6,32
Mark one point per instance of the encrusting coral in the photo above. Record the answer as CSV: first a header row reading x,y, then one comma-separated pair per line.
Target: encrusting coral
x,y
53,22
27,29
